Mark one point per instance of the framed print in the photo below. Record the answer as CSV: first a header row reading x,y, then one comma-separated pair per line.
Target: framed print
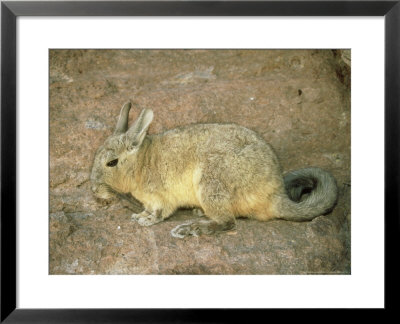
x,y
161,160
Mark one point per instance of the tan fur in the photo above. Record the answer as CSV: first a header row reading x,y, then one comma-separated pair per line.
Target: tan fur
x,y
224,169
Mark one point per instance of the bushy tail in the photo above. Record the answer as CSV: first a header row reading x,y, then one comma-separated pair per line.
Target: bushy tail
x,y
310,192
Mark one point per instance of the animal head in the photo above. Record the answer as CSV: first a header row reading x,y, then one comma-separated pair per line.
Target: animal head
x,y
116,159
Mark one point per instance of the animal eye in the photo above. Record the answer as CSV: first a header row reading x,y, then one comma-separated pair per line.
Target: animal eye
x,y
112,163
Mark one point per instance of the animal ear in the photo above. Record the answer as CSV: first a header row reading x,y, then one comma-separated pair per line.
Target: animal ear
x,y
136,134
122,124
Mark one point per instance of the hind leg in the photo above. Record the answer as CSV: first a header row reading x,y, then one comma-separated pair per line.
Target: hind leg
x,y
216,205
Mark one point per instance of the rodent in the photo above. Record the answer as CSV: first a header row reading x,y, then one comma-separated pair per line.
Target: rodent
x,y
224,170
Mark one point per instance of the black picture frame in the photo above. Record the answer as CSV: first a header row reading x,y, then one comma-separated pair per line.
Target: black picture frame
x,y
9,13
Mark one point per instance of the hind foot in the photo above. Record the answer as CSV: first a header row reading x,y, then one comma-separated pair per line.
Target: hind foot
x,y
199,227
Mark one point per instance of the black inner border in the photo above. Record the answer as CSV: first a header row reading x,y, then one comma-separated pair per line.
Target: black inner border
x,y
11,10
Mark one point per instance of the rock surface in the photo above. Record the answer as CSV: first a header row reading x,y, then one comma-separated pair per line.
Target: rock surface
x,y
298,100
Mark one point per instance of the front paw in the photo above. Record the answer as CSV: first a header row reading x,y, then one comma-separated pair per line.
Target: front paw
x,y
198,212
149,220
136,217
